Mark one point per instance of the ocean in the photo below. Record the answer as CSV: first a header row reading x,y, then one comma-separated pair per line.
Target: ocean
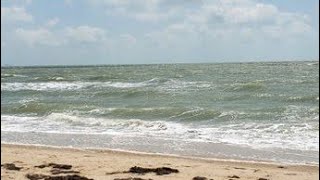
x,y
267,111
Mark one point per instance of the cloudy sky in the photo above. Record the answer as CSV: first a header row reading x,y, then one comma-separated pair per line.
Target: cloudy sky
x,y
74,32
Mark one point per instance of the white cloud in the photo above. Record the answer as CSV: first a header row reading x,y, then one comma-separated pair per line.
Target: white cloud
x,y
68,2
15,14
85,34
299,27
52,22
242,12
250,14
47,37
142,10
237,18
237,23
39,36
212,17
144,4
128,39
151,16
28,2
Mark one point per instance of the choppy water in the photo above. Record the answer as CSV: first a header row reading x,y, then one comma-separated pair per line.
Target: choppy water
x,y
255,105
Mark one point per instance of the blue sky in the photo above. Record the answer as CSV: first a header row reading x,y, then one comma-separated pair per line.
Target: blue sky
x,y
79,32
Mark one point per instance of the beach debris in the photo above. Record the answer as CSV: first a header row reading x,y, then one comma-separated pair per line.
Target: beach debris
x,y
68,177
140,170
158,171
239,168
42,166
58,171
11,166
117,172
54,165
281,167
131,178
36,176
234,176
199,178
263,179
60,166
46,177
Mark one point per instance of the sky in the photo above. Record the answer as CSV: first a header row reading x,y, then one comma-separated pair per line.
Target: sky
x,y
83,32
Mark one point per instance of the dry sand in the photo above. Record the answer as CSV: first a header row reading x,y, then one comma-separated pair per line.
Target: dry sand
x,y
108,164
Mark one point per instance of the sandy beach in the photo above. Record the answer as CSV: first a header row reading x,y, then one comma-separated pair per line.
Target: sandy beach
x,y
20,162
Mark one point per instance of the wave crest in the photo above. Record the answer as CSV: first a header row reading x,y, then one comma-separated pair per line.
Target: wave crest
x,y
250,87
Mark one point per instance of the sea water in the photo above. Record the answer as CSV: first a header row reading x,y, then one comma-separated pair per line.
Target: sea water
x,y
259,111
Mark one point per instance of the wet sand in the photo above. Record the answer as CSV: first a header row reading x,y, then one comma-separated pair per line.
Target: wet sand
x,y
27,162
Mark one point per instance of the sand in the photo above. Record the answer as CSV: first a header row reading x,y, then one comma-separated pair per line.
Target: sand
x,y
109,164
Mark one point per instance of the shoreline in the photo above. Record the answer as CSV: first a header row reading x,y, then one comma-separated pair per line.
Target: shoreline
x,y
141,153
95,163
162,146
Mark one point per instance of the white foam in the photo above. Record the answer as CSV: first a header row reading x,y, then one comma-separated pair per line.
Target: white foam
x,y
13,75
56,78
295,135
47,86
56,86
125,85
169,85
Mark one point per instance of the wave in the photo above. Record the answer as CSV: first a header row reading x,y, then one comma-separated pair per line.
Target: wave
x,y
12,75
101,78
300,80
298,136
50,79
211,103
250,87
64,122
63,86
52,86
163,84
281,97
178,85
128,93
267,135
314,98
167,113
299,114
32,108
313,64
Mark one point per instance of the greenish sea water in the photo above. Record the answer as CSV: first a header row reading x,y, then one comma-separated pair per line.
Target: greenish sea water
x,y
260,106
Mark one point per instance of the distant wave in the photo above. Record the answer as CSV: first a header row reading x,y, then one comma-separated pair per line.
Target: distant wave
x,y
49,79
12,75
314,98
276,97
50,86
76,85
250,86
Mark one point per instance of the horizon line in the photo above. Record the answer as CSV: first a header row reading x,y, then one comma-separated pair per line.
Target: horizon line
x,y
167,63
